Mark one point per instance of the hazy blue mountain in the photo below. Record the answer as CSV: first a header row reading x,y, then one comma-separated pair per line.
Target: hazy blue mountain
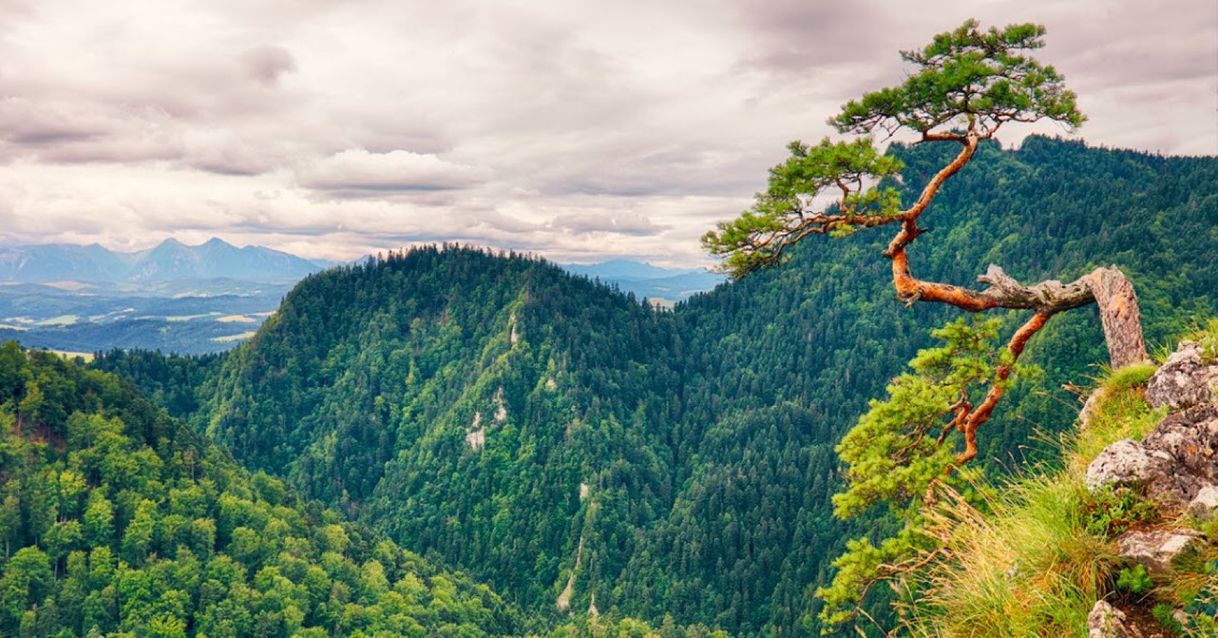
x,y
169,261
55,262
621,269
174,297
647,280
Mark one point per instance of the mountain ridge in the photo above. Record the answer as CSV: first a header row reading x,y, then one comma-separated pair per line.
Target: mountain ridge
x,y
689,454
168,260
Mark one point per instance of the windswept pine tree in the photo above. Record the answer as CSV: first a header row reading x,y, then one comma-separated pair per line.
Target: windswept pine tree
x,y
964,87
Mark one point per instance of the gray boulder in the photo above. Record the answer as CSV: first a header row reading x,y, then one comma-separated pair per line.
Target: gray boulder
x,y
1155,549
1183,381
1204,505
1106,621
1125,462
1190,436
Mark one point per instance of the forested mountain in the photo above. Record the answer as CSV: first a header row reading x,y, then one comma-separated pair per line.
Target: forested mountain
x,y
119,521
578,450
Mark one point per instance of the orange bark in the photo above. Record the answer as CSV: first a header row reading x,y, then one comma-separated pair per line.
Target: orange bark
x,y
979,416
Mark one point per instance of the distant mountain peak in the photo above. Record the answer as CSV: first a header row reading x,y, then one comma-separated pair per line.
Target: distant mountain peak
x,y
648,280
170,260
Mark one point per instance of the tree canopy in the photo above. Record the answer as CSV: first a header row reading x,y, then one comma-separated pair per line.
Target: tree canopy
x,y
966,84
964,87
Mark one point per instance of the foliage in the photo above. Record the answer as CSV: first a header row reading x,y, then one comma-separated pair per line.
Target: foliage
x,y
1112,511
1201,609
966,76
896,455
1134,580
778,219
896,451
606,627
1165,615
1035,555
119,520
965,85
715,497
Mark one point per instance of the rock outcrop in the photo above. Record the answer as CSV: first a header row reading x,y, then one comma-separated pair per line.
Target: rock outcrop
x,y
1175,464
1184,380
1125,462
1204,505
1178,460
1105,621
1155,549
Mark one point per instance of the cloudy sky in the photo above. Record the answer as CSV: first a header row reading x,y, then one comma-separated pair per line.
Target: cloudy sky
x,y
579,130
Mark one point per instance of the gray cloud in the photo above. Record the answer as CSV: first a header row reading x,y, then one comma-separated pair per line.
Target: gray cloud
x,y
267,63
580,131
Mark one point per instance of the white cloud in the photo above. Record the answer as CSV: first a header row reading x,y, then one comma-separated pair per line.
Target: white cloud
x,y
359,173
578,130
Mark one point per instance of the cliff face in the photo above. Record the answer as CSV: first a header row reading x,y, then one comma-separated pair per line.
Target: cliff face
x,y
1176,463
1120,541
1174,471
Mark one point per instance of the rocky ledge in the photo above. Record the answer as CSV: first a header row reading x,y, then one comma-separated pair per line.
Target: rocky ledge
x,y
1177,463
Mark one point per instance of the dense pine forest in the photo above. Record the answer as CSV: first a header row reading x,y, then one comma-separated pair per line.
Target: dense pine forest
x,y
119,521
583,453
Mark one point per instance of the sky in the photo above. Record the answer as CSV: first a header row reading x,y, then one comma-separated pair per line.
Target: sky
x,y
577,130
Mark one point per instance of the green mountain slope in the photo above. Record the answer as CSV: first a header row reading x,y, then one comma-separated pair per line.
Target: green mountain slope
x,y
575,449
118,520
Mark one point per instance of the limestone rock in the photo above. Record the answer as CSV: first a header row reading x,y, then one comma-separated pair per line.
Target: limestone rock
x,y
476,439
1204,505
1183,381
501,413
1190,437
1088,412
475,436
1180,456
1156,549
1105,621
1123,463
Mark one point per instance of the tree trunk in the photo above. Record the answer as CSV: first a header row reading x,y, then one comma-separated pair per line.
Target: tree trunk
x,y
1119,315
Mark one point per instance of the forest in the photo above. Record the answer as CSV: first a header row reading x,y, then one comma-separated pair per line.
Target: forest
x,y
119,521
586,455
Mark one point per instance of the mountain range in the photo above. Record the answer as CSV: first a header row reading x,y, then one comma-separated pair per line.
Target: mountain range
x,y
584,454
205,298
663,286
171,260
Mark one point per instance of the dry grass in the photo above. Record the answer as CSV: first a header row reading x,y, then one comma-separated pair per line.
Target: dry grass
x,y
1028,565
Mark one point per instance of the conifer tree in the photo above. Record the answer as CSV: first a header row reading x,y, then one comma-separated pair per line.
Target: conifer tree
x,y
964,87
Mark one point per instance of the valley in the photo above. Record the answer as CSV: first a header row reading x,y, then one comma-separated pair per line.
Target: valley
x,y
459,401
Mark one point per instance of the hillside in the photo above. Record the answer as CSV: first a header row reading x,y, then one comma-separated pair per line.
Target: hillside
x,y
118,520
576,449
1121,539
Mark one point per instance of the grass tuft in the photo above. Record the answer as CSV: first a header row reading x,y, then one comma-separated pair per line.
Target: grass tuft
x,y
1040,555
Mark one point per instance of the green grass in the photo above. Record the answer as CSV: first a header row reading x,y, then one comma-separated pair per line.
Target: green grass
x,y
1034,562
